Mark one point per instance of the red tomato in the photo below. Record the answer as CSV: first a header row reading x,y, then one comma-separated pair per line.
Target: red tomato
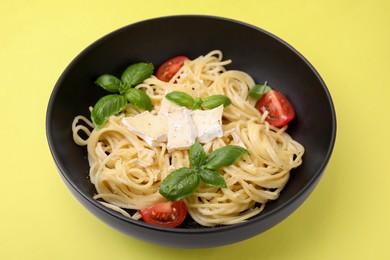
x,y
167,214
280,110
169,68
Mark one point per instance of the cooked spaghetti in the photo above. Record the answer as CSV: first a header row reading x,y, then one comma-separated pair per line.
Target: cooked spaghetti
x,y
127,171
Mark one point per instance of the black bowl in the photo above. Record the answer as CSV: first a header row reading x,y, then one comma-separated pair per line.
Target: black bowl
x,y
253,50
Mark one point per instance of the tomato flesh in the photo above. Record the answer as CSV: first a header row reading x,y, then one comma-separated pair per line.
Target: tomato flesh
x,y
280,110
169,68
166,214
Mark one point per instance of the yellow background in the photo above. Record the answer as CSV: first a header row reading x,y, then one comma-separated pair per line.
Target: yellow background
x,y
346,217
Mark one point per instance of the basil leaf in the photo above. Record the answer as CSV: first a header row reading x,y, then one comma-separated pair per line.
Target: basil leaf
x,y
197,103
124,87
224,156
197,155
107,106
138,98
109,83
135,74
215,101
180,98
179,184
257,91
212,178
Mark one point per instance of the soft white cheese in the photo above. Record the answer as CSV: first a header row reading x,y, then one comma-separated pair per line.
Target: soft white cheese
x,y
167,107
181,130
208,123
153,129
176,125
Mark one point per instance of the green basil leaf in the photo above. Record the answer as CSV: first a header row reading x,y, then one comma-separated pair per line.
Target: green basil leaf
x,y
224,156
124,87
197,103
179,184
215,101
212,178
197,155
257,91
109,83
180,98
107,106
138,98
135,74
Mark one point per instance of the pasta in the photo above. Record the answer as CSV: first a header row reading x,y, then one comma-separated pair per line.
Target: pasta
x,y
127,171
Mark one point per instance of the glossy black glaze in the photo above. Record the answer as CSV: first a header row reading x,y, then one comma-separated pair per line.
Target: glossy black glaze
x,y
253,50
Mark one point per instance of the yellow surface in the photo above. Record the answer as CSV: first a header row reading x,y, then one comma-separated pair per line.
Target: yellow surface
x,y
346,217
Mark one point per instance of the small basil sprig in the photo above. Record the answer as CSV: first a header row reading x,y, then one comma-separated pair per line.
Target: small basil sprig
x,y
138,98
185,181
215,101
224,156
124,92
107,106
180,98
135,74
184,99
257,91
109,83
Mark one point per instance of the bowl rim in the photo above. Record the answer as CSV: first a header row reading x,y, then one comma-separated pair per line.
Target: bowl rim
x,y
264,215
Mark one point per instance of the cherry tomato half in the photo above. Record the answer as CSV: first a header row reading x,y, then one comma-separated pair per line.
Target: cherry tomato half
x,y
166,214
280,110
169,68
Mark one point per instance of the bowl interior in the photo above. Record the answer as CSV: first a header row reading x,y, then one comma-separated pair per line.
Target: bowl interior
x,y
262,55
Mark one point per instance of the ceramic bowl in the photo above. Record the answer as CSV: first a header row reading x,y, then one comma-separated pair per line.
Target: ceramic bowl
x,y
259,53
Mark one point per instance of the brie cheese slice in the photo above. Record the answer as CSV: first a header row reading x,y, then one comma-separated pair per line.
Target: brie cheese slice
x,y
208,123
181,130
153,129
167,107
